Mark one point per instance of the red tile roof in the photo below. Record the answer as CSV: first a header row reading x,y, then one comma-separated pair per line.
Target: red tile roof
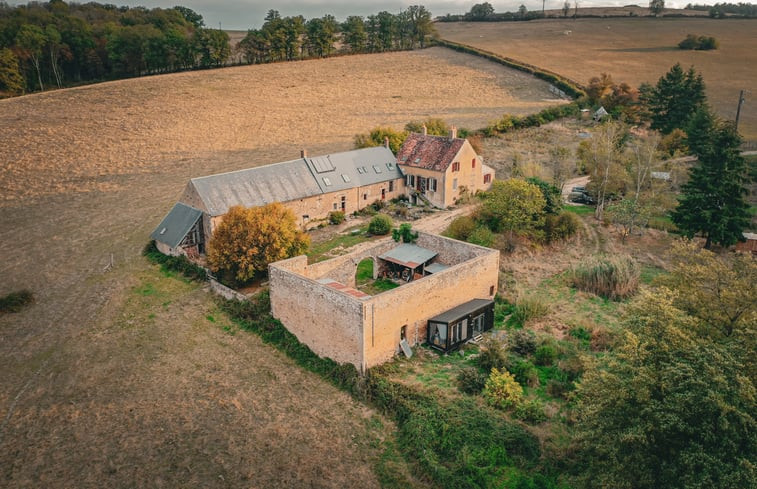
x,y
430,152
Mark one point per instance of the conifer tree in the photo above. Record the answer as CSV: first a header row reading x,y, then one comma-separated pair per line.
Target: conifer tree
x,y
713,200
675,98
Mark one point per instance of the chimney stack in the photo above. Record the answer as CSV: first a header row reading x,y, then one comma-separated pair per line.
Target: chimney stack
x,y
425,130
386,141
453,132
303,153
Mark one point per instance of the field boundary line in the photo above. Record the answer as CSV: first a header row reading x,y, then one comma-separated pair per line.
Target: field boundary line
x,y
571,87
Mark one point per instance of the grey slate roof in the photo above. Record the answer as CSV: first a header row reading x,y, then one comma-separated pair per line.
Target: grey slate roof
x,y
176,224
461,310
254,187
408,255
356,168
296,179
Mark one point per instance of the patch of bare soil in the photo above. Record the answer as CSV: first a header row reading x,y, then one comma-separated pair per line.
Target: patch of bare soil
x,y
92,397
633,50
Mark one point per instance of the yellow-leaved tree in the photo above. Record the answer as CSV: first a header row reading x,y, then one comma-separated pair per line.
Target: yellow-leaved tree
x,y
247,240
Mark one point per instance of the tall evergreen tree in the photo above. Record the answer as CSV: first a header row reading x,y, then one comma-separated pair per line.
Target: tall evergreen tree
x,y
713,200
675,98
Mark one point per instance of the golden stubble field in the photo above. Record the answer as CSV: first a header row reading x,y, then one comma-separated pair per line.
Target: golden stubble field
x,y
633,50
127,378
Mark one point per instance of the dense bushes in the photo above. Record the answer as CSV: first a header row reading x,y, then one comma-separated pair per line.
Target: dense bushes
x,y
613,278
560,227
380,225
336,217
15,301
178,264
699,43
510,122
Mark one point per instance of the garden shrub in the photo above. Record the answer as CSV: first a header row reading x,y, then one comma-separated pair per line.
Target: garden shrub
x,y
380,225
461,227
525,373
545,355
336,217
559,388
531,411
482,236
492,355
522,341
614,278
471,380
560,227
502,390
15,301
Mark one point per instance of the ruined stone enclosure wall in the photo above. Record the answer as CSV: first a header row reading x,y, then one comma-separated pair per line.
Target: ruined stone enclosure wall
x,y
414,303
328,321
366,332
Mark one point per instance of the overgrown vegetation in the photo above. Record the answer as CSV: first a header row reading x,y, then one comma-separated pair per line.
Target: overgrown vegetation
x,y
380,225
179,264
16,301
699,43
611,277
457,443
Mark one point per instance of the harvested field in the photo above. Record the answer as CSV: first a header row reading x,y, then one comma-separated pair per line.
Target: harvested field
x,y
633,50
116,376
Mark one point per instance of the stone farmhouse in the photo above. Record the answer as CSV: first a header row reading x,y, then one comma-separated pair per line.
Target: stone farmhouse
x,y
428,169
440,169
446,298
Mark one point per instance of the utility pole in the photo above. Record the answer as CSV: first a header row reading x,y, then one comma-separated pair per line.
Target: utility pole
x,y
738,108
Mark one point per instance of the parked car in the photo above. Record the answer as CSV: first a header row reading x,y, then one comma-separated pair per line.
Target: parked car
x,y
580,198
579,189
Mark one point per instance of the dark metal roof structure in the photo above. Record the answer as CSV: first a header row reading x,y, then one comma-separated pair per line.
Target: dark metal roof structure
x,y
461,310
430,152
408,255
176,224
254,187
358,168
296,179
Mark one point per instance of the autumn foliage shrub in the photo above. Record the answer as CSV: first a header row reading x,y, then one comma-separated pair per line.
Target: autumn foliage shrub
x,y
614,278
247,240
502,391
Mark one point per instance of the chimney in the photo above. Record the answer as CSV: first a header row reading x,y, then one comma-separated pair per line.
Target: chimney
x,y
386,141
453,132
303,153
425,130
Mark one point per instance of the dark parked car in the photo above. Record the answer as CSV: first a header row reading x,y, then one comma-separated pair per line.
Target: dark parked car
x,y
580,198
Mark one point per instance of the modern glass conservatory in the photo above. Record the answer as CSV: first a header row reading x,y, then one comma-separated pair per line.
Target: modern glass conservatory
x,y
449,330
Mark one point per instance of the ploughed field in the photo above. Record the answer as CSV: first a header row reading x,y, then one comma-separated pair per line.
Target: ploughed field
x,y
120,376
633,50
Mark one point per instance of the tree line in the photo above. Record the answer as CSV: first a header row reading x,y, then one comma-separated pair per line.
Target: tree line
x,y
57,44
719,10
288,38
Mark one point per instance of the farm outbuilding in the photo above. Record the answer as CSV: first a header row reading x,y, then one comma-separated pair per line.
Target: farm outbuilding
x,y
453,328
749,245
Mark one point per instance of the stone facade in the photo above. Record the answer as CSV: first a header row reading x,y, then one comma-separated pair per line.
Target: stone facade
x,y
366,330
309,209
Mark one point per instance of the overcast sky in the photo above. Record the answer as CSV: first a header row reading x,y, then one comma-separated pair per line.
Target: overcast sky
x,y
245,14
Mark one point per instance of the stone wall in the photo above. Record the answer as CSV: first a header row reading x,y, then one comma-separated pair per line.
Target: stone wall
x,y
411,305
366,332
330,322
